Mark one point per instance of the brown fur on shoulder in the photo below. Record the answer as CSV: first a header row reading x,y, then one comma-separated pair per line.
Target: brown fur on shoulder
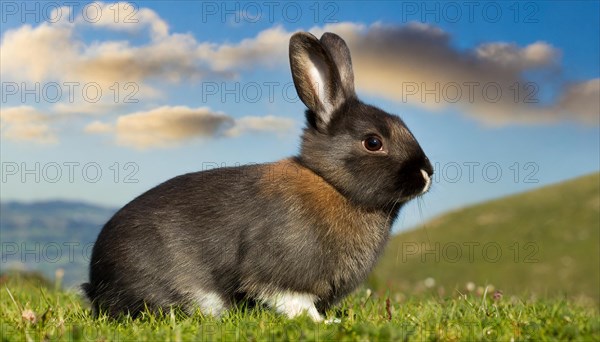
x,y
354,236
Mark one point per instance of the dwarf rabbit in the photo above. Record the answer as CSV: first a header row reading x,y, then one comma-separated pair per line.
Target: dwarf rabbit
x,y
295,235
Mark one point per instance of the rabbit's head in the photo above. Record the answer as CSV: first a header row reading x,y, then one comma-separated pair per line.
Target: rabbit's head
x,y
368,155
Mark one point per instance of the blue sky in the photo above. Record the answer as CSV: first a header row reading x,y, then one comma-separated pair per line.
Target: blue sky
x,y
182,56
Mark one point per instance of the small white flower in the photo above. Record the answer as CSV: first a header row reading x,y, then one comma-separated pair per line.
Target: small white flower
x,y
29,316
470,286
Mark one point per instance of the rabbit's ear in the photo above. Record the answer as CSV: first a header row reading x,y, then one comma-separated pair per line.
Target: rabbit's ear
x,y
316,77
340,53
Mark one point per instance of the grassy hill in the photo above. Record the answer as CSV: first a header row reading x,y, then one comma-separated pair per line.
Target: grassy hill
x,y
545,242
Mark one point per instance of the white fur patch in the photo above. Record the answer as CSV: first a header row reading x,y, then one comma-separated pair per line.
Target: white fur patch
x,y
427,181
319,87
318,82
293,304
210,303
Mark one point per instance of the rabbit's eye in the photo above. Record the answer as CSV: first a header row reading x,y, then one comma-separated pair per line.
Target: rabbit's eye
x,y
373,143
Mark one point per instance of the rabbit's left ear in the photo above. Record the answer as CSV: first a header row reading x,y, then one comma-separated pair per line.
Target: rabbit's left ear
x,y
316,77
340,53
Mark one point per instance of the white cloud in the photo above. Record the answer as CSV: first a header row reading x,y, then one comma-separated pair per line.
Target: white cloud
x,y
260,124
269,48
98,127
538,54
582,101
38,54
169,126
83,107
58,52
65,58
26,124
123,16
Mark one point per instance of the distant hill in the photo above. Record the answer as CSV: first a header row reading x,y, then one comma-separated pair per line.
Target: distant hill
x,y
543,242
46,236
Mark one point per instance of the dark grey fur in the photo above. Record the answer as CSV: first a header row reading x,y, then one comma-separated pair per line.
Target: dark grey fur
x,y
229,232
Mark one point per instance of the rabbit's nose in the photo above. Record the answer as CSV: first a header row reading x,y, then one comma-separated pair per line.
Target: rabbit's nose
x,y
427,167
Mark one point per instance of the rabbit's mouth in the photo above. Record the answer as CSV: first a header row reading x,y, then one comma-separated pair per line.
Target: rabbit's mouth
x,y
415,183
422,182
427,179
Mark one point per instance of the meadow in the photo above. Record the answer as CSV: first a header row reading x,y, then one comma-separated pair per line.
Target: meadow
x,y
33,310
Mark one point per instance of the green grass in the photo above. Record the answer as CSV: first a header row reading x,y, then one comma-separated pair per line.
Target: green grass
x,y
542,243
32,310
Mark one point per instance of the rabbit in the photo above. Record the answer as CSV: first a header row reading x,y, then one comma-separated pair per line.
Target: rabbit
x,y
296,235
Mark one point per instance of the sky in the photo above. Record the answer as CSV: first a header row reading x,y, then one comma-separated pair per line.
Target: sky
x,y
102,101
